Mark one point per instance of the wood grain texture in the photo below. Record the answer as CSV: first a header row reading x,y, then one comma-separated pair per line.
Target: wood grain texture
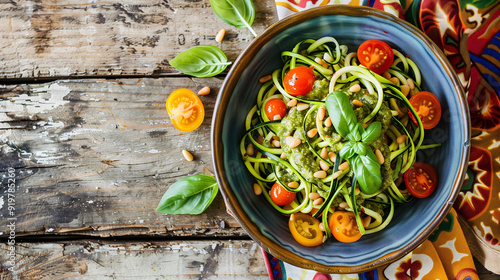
x,y
156,260
95,156
47,38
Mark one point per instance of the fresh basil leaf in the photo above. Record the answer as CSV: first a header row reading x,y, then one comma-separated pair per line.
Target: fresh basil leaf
x,y
372,132
347,150
355,134
201,61
367,171
238,13
189,195
360,148
341,113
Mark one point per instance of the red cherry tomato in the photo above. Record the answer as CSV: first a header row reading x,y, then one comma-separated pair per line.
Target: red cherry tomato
x,y
299,81
375,55
281,196
344,227
305,229
421,180
275,107
428,109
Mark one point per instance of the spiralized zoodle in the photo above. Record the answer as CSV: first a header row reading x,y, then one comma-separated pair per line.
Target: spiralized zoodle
x,y
319,155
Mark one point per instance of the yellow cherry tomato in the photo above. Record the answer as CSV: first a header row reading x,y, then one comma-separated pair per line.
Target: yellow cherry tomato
x,y
305,229
185,109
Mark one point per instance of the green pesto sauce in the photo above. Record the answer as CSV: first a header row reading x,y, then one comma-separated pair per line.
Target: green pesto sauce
x,y
319,90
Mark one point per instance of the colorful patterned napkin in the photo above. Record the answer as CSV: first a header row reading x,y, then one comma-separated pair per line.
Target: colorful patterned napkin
x,y
469,34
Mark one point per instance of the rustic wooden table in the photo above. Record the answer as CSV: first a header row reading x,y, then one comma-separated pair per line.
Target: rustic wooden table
x,y
85,134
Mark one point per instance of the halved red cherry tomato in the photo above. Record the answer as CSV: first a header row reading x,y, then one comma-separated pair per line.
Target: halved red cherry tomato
x,y
428,109
299,81
375,55
275,107
281,196
185,109
344,227
305,229
421,180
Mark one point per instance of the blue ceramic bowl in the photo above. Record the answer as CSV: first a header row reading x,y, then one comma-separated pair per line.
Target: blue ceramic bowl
x,y
413,222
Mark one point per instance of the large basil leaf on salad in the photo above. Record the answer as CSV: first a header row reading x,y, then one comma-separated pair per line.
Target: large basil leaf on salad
x,y
372,132
341,113
201,61
367,171
238,13
190,195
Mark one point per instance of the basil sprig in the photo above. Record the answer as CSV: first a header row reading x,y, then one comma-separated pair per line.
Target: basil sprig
x,y
190,195
201,61
238,13
361,158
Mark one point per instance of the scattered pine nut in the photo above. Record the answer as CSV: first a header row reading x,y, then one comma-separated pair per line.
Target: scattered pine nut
x,y
327,57
187,155
323,165
405,89
283,156
318,201
319,174
380,156
324,152
343,205
410,83
321,113
250,149
292,103
256,189
332,156
265,79
321,61
366,221
314,195
336,174
355,88
321,226
295,142
293,185
220,35
204,91
302,106
276,143
260,139
328,122
386,75
275,137
401,139
312,132
356,102
276,118
395,80
344,166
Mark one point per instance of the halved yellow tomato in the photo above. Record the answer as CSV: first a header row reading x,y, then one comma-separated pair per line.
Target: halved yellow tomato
x,y
185,109
305,229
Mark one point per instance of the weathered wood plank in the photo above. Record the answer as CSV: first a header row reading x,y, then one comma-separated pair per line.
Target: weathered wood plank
x,y
156,260
95,156
47,38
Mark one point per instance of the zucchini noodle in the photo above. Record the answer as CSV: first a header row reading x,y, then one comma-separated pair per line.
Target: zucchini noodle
x,y
300,151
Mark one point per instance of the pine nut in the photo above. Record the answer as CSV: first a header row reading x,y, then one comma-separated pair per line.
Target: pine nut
x,y
319,174
386,75
318,201
327,57
312,132
321,226
276,143
356,102
344,166
323,165
292,103
204,91
265,79
355,88
321,113
324,152
283,156
343,205
276,118
250,149
380,156
187,155
293,185
328,122
336,174
410,83
394,80
220,35
275,137
256,189
295,142
401,139
288,140
302,106
314,195
366,221
260,139
323,63
332,156
405,89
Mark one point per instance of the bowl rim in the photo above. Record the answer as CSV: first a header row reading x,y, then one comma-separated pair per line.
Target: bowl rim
x,y
224,96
